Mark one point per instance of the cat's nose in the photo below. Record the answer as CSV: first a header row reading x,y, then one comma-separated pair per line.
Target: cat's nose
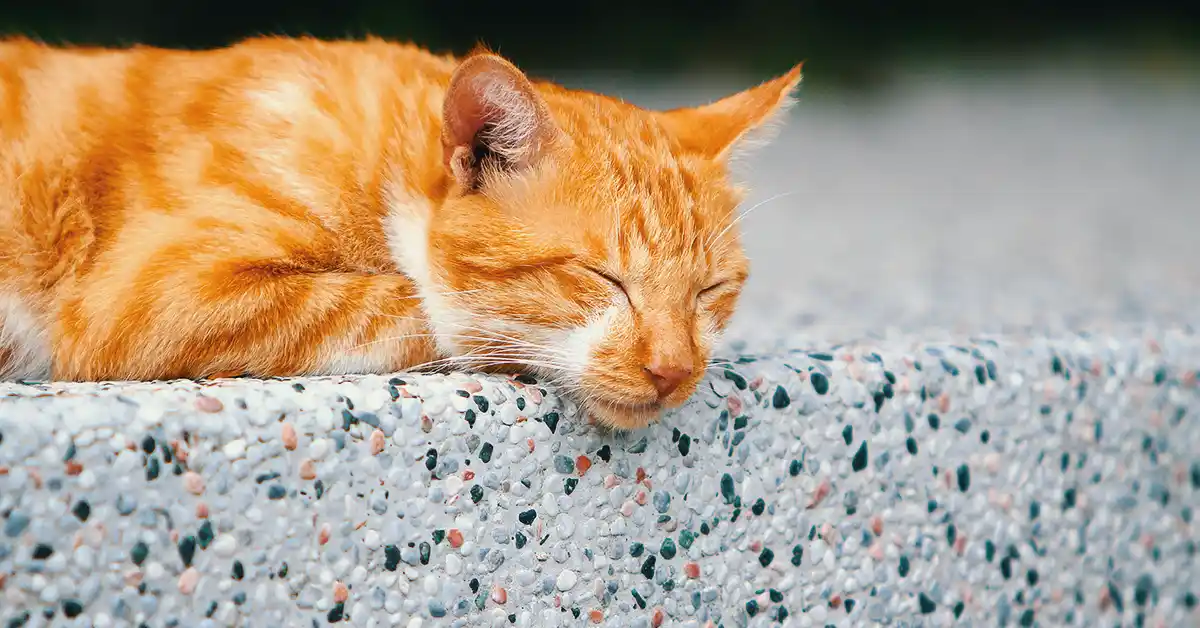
x,y
667,377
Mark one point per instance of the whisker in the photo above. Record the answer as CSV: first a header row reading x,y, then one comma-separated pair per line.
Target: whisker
x,y
741,216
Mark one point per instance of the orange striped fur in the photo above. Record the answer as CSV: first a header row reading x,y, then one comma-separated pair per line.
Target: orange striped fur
x,y
294,206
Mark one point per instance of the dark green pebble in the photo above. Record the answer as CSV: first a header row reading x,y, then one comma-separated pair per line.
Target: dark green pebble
x,y
889,391
431,458
959,607
485,453
424,550
527,516
637,597
283,570
521,540
780,399
849,604
752,608
512,618
820,383
348,419
668,549
1160,376
931,506
476,493
737,380
904,567
759,506
205,534
964,478
1118,600
41,551
520,403
1006,567
1035,509
239,598
934,421
337,613
439,536
740,422
239,572
153,468
685,445
927,605
82,510
951,534
985,436
1189,600
727,488
469,415
878,398
797,555
648,567
298,387
775,596
636,549
276,492
765,557
824,357
794,468
1027,618
187,550
72,608
686,538
980,374
605,453
1031,577
319,487
781,614
391,557
481,402
1068,499
963,425
911,445
569,485
551,421
860,458
639,446
848,434
266,477
575,611
148,444
704,528
462,393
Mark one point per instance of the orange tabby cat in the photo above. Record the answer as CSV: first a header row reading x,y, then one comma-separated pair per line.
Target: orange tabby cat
x,y
295,206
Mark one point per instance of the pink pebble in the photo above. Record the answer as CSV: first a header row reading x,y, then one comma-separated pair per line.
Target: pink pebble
x,y
473,387
377,441
340,592
209,404
289,436
611,481
193,482
499,595
627,508
188,581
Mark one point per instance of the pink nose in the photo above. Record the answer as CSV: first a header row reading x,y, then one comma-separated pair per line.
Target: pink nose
x,y
667,377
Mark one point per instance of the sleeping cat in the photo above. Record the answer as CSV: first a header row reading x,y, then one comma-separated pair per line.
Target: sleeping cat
x,y
294,206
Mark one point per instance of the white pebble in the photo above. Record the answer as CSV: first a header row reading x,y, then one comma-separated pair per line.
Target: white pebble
x,y
235,449
566,580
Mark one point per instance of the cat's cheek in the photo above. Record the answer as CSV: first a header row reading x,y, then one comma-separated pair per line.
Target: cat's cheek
x,y
579,345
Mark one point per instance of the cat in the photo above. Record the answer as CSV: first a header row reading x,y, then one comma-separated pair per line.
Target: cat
x,y
296,206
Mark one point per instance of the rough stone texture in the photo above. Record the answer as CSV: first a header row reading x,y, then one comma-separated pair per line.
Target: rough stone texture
x,y
992,482
1039,467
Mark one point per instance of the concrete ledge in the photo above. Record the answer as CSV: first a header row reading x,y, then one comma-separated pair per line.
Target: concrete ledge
x,y
1012,482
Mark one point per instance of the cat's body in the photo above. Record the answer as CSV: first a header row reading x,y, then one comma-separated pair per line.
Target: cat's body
x,y
292,206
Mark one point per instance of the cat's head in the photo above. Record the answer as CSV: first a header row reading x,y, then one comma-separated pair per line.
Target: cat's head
x,y
584,239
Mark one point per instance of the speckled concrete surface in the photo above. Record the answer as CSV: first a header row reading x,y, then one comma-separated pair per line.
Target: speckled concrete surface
x,y
968,397
1048,483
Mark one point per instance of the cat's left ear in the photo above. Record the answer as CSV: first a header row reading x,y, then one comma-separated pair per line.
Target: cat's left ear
x,y
494,121
718,129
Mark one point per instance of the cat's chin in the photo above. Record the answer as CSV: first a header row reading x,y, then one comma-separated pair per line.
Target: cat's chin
x,y
625,416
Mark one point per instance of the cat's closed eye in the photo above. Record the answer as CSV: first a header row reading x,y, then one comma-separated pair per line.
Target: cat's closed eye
x,y
616,283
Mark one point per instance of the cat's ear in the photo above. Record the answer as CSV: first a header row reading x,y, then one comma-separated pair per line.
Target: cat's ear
x,y
493,120
718,129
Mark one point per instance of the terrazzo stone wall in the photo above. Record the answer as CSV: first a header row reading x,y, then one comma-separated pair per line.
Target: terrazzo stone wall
x,y
992,482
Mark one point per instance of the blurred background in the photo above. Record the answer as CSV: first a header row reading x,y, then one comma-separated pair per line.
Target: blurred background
x,y
952,166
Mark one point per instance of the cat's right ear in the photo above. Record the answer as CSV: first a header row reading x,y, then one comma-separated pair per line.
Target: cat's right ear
x,y
494,121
